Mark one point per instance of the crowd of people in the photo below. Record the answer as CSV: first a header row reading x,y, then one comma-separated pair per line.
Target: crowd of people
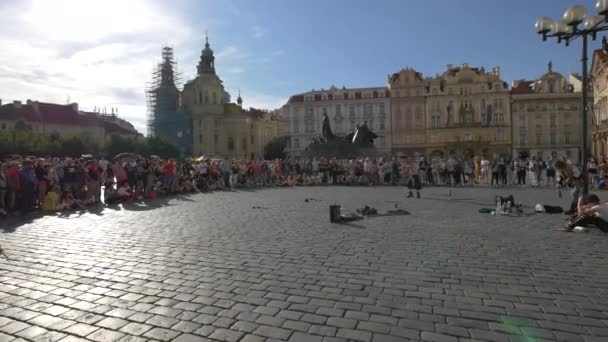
x,y
54,184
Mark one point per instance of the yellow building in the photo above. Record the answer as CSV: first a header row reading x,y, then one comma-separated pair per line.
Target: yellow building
x,y
220,128
407,102
468,113
546,117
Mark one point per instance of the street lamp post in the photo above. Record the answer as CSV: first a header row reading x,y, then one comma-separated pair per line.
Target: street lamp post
x,y
567,30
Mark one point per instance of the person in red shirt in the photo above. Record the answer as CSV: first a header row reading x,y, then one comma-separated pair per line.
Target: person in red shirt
x,y
13,183
169,173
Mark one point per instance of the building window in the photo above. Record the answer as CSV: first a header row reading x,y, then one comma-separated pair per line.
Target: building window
x,y
539,135
522,135
244,144
468,136
251,139
230,144
382,109
500,118
214,95
382,120
200,139
216,139
338,110
436,121
309,120
296,125
296,143
567,138
522,119
552,136
3,126
499,135
552,120
200,97
206,97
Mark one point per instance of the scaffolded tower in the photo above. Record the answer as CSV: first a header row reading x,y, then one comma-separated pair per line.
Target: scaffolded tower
x,y
163,94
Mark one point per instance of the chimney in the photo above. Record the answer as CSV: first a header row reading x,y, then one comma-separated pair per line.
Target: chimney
x,y
17,104
74,106
29,102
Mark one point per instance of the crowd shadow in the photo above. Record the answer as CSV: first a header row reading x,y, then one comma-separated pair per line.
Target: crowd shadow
x,y
12,222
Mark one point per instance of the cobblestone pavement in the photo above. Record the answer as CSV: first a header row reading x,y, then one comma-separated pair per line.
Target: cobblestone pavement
x,y
212,267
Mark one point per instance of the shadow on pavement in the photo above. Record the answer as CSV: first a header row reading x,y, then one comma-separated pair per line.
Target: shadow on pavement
x,y
11,223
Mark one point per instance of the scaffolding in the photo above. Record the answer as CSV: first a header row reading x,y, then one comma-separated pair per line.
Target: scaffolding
x,y
162,93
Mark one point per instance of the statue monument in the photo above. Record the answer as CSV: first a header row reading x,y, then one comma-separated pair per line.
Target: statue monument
x,y
358,143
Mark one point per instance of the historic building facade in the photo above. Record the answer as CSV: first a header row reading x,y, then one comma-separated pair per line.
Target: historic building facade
x,y
220,128
546,117
407,107
346,108
468,113
599,72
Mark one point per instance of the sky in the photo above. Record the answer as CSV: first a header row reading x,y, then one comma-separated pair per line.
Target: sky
x,y
100,53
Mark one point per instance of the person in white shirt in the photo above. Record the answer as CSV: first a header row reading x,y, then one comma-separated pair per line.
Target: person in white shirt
x,y
485,170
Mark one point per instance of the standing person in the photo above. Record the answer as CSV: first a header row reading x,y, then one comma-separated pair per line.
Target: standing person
x,y
494,168
485,170
27,178
13,184
520,168
502,171
413,180
570,176
42,176
3,190
592,170
532,171
169,174
550,172
468,171
93,176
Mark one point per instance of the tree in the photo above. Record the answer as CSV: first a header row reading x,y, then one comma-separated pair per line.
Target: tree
x,y
275,148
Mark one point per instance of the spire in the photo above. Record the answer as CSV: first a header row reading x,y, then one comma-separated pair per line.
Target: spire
x,y
239,100
550,66
207,62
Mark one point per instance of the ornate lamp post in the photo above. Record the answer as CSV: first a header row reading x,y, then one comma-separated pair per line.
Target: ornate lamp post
x,y
566,30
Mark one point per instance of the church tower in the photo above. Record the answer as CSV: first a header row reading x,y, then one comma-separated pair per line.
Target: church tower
x,y
207,63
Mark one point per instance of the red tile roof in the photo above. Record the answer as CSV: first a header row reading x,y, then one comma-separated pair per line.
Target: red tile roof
x,y
522,87
56,114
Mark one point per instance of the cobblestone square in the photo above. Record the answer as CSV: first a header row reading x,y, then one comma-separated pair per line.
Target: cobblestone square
x,y
266,265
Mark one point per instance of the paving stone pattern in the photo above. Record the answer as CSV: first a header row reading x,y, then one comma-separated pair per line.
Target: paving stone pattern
x,y
209,267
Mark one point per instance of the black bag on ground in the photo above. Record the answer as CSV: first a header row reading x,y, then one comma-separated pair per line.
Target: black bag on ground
x,y
552,209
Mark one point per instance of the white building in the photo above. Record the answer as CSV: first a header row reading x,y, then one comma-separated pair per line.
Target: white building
x,y
346,108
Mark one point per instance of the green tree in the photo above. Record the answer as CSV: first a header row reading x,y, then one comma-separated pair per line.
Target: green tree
x,y
275,148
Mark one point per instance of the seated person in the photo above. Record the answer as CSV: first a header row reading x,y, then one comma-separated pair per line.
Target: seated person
x,y
51,200
68,202
590,212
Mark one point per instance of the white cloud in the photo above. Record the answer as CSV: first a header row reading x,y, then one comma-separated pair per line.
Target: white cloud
x,y
258,32
97,53
278,53
227,52
234,70
262,101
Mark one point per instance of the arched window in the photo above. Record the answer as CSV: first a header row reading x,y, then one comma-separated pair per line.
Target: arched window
x,y
200,97
206,97
214,96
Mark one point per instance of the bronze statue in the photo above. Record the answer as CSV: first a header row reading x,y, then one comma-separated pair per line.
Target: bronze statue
x,y
361,135
328,135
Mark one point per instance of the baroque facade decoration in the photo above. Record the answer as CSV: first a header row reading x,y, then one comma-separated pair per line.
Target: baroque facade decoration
x,y
468,113
407,103
220,128
346,108
599,72
546,117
